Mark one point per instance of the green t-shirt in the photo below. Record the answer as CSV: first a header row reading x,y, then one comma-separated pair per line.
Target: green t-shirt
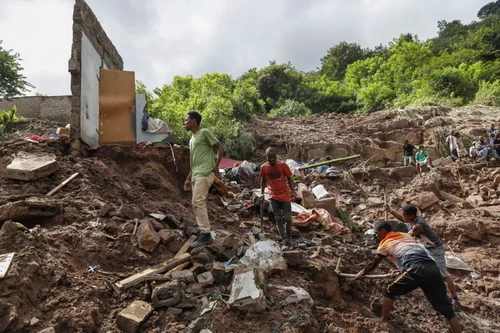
x,y
202,157
419,156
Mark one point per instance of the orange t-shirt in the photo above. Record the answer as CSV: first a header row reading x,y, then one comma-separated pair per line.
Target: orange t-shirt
x,y
277,180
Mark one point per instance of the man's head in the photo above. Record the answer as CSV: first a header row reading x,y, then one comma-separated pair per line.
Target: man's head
x,y
421,149
271,155
452,133
406,141
409,213
192,120
492,126
457,135
382,228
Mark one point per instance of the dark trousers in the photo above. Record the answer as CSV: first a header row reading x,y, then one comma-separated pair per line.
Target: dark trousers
x,y
428,278
282,210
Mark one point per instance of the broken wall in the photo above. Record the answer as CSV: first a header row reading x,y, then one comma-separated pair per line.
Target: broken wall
x,y
91,50
55,108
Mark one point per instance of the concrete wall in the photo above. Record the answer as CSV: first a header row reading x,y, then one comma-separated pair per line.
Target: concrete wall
x,y
89,100
87,30
55,108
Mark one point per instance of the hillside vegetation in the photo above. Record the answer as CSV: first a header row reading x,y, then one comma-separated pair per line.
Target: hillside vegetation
x,y
460,66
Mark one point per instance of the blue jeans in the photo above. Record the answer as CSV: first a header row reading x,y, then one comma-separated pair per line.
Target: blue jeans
x,y
282,210
486,150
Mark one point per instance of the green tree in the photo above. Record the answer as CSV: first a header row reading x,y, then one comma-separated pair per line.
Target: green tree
x,y
278,82
334,64
12,82
491,8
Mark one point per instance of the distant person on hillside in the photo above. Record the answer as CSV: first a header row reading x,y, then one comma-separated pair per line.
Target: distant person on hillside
x,y
496,143
408,151
484,149
421,230
451,142
491,129
276,175
203,169
423,159
462,151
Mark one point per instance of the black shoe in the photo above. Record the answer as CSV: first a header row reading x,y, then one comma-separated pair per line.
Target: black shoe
x,y
203,239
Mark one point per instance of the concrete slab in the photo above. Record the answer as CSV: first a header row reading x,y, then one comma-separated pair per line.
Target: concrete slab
x,y
245,293
130,318
29,167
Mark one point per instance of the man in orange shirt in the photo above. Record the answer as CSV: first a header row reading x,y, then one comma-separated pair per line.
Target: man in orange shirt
x,y
275,175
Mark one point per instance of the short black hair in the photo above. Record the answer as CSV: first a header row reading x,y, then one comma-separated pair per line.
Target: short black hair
x,y
271,151
383,224
196,116
406,140
410,210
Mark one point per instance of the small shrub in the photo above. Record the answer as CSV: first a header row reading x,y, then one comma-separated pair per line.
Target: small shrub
x,y
290,108
488,93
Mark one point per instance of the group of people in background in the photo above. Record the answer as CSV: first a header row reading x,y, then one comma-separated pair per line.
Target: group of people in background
x,y
481,149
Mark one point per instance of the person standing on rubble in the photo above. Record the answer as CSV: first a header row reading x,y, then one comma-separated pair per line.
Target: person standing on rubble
x,y
275,175
423,159
416,270
422,230
203,170
408,150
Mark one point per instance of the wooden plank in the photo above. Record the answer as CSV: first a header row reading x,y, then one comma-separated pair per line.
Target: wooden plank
x,y
450,197
5,261
73,176
163,267
186,246
176,269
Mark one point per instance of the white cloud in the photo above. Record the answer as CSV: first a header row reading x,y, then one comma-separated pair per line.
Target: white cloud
x,y
160,39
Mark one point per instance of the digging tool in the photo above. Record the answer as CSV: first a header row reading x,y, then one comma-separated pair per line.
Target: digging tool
x,y
385,201
261,213
378,276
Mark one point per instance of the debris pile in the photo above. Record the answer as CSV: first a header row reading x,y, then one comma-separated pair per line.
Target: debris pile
x,y
110,249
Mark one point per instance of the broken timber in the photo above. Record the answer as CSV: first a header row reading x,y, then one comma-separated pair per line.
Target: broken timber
x,y
379,276
328,162
179,253
73,176
163,267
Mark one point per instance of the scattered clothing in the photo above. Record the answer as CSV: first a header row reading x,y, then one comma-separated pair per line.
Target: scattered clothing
x,y
157,126
322,216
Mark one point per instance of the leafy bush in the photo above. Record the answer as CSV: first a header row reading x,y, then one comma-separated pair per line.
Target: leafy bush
x,y
488,93
8,118
290,108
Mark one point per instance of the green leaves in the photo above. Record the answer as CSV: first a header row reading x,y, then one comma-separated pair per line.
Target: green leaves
x,y
12,82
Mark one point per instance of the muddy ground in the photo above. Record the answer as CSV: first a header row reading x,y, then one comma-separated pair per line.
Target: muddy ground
x,y
91,220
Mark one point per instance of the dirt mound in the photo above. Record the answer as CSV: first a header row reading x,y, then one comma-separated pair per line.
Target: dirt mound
x,y
74,246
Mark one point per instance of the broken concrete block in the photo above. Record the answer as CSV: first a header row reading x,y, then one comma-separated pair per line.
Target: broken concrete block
x,y
205,279
222,276
246,294
185,276
48,330
166,235
174,311
374,202
264,255
130,318
147,237
425,200
195,289
167,294
130,212
29,167
293,258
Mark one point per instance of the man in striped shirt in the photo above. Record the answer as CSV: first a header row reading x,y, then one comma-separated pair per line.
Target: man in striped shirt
x,y
417,270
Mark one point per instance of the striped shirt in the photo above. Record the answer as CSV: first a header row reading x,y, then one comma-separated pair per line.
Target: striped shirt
x,y
402,250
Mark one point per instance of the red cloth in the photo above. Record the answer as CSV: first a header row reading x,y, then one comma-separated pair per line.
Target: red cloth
x,y
226,163
277,180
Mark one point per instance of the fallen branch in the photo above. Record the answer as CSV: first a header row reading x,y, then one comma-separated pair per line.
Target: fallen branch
x,y
73,176
328,162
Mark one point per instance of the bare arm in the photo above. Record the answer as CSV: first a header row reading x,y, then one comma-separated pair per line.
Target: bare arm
x,y
370,267
220,154
292,186
263,184
416,230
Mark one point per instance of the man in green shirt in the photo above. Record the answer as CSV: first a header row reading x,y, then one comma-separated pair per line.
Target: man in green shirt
x,y
423,159
203,170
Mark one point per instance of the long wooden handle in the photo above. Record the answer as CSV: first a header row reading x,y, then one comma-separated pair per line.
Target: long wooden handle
x,y
63,184
328,162
385,202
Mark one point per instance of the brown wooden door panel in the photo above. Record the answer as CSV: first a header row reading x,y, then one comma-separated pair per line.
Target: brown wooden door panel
x,y
116,107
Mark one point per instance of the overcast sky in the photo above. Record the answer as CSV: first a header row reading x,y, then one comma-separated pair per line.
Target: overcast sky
x,y
159,39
